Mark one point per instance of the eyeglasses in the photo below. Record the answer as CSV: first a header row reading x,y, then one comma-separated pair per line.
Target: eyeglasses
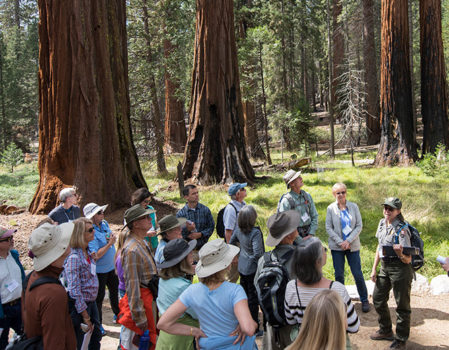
x,y
388,208
90,230
342,192
9,239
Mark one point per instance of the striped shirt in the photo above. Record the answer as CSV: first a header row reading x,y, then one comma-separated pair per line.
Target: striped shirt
x,y
81,278
138,269
294,310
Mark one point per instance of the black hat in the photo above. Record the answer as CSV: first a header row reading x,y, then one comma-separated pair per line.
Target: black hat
x,y
176,250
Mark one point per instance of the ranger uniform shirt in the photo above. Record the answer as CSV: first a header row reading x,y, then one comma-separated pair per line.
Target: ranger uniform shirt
x,y
387,234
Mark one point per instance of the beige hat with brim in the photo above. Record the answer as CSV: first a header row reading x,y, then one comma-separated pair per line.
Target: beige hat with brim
x,y
215,256
281,225
291,176
48,242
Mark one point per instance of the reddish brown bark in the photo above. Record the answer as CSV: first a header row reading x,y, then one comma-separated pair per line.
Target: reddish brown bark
x,y
84,125
175,126
250,131
215,149
397,144
371,85
433,77
338,53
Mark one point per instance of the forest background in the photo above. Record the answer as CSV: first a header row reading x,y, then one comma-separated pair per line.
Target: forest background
x,y
283,55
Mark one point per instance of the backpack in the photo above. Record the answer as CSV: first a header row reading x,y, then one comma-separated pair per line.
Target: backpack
x,y
270,286
290,201
33,343
415,241
220,224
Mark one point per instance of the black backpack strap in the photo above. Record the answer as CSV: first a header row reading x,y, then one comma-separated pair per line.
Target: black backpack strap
x,y
330,286
44,280
232,205
297,294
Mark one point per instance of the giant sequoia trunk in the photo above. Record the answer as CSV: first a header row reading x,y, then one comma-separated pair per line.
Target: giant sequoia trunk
x,y
397,144
337,55
175,126
251,137
84,123
215,149
370,66
433,77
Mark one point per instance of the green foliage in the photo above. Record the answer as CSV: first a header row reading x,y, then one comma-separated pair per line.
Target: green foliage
x,y
11,156
19,187
435,164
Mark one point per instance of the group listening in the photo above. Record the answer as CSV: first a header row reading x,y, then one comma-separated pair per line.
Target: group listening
x,y
149,267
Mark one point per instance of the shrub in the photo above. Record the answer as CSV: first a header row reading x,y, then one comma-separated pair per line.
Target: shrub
x,y
435,164
11,156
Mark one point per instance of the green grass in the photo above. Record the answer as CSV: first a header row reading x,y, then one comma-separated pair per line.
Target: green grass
x,y
425,199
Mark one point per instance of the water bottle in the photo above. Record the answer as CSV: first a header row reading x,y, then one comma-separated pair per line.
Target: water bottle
x,y
144,343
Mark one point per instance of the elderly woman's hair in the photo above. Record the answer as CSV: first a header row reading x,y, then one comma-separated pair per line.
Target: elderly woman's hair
x,y
323,325
337,186
77,240
66,193
181,269
140,195
217,277
122,236
305,261
247,218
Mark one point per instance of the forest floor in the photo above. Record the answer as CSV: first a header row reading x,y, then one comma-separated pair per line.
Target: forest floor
x,y
430,314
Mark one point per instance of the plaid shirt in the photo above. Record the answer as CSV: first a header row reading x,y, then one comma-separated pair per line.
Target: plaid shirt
x,y
82,284
204,222
138,269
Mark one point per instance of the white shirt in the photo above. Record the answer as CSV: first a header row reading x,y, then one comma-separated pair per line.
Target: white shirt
x,y
10,279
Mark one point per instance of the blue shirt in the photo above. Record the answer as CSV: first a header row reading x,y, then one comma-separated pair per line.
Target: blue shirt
x,y
230,214
159,255
106,262
251,249
169,292
204,222
345,220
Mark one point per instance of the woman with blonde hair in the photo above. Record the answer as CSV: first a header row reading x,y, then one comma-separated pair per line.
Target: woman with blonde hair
x,y
324,324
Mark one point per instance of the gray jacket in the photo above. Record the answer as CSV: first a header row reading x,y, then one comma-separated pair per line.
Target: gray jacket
x,y
333,226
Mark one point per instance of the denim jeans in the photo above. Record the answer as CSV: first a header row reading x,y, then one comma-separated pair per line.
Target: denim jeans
x,y
338,258
12,319
77,319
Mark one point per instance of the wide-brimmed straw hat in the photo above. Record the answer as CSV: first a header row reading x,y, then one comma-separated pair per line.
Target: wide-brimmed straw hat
x,y
281,225
135,213
291,176
91,209
215,256
175,251
48,242
170,222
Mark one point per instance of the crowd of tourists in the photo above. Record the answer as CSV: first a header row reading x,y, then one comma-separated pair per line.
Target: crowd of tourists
x,y
149,266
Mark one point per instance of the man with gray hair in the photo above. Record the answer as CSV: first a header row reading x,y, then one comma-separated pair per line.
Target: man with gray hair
x,y
67,211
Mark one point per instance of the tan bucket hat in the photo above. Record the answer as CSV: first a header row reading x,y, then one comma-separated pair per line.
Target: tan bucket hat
x,y
215,256
281,225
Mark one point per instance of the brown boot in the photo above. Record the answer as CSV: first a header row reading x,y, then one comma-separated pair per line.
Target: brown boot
x,y
382,336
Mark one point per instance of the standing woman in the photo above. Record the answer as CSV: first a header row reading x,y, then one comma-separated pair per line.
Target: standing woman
x,y
82,283
103,250
67,211
251,249
343,225
395,272
143,197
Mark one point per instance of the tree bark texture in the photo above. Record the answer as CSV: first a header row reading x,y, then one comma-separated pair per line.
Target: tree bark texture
x,y
215,150
84,120
338,53
250,128
397,145
371,85
175,125
433,77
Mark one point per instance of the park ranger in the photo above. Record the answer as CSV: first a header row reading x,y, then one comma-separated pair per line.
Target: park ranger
x,y
301,201
395,272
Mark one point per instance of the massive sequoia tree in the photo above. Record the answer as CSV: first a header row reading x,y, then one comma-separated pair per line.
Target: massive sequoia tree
x,y
215,149
370,67
84,122
397,144
433,77
337,55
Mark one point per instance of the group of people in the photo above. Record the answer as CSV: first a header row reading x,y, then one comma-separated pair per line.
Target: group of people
x,y
150,280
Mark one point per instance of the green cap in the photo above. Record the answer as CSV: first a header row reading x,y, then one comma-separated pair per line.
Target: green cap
x,y
393,202
170,222
136,212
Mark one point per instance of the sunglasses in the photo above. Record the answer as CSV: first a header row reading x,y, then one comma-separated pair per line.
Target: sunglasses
x,y
100,212
90,230
9,239
388,208
342,192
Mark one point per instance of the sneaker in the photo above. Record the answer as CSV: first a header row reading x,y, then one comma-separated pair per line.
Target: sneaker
x,y
103,332
365,306
397,344
382,336
114,319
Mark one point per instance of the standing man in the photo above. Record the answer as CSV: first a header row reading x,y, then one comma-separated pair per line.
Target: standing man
x,y
301,201
200,223
137,307
11,277
68,210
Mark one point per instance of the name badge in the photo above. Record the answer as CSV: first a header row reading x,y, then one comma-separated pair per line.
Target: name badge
x,y
347,230
305,217
93,269
12,286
